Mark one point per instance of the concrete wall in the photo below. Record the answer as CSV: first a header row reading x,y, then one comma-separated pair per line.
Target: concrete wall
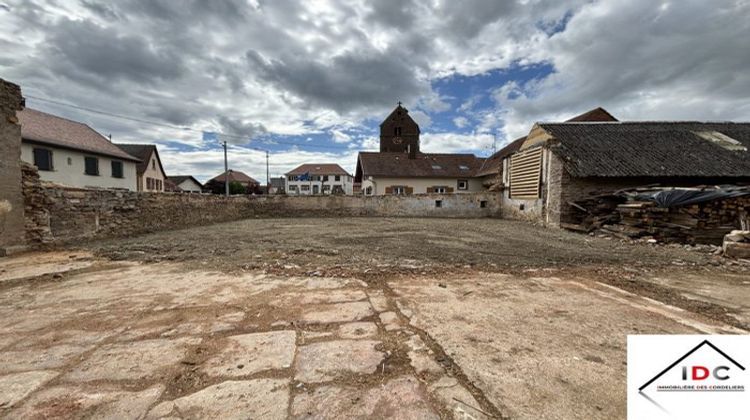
x,y
420,185
69,169
57,215
11,196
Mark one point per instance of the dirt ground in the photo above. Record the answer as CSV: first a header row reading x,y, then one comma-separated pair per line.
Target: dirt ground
x,y
341,318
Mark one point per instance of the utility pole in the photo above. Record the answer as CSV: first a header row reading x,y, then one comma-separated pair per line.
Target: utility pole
x,y
268,177
226,171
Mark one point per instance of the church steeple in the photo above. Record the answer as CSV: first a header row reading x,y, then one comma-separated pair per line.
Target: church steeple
x,y
399,132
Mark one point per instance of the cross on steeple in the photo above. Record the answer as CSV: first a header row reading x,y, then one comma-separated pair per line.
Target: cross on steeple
x,y
399,103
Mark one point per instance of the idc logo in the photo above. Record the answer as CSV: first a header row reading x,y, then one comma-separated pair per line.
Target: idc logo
x,y
699,373
687,377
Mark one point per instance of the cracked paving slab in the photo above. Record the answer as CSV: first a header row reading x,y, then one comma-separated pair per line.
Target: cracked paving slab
x,y
252,353
400,398
88,402
131,361
254,399
16,386
324,361
339,312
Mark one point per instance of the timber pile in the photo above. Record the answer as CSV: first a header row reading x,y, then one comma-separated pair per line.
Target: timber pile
x,y
702,223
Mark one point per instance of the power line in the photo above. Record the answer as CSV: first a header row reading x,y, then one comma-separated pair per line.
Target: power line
x,y
176,127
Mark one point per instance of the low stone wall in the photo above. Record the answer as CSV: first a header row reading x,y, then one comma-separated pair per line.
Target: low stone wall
x,y
56,214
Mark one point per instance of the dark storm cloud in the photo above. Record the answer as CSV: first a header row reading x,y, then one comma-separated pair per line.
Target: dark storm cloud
x,y
344,83
103,53
236,127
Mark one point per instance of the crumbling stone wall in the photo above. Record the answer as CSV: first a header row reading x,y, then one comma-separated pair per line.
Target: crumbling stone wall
x,y
57,214
11,197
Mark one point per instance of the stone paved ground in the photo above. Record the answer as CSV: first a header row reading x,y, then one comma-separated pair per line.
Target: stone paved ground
x,y
85,337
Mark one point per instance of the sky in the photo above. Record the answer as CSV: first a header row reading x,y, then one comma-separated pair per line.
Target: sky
x,y
311,80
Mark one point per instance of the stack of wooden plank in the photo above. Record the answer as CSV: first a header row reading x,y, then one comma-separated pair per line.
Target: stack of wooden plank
x,y
703,223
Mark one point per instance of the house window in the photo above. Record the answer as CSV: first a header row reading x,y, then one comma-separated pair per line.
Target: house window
x,y
368,191
70,161
397,131
463,184
483,204
117,169
91,165
327,187
304,187
43,159
337,178
153,164
292,188
399,190
440,190
438,203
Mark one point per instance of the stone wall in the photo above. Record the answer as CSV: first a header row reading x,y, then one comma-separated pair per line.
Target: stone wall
x,y
57,214
11,198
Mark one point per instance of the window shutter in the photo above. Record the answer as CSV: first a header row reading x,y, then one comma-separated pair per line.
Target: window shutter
x,y
430,190
526,174
389,190
409,190
449,189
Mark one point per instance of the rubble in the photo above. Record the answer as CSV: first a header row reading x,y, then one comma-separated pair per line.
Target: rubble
x,y
737,244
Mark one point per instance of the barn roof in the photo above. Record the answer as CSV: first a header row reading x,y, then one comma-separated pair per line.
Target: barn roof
x,y
652,149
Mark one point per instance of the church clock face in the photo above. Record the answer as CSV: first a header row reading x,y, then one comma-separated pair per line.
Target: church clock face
x,y
397,140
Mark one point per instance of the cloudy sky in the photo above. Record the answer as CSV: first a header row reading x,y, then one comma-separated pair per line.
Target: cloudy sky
x,y
311,80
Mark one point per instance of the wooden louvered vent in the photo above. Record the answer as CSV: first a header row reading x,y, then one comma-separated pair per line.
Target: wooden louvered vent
x,y
526,174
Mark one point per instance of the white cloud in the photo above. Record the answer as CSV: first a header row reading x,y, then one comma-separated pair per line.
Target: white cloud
x,y
340,137
456,143
461,122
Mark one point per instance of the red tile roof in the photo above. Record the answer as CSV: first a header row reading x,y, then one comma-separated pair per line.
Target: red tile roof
x,y
142,152
40,127
234,176
318,169
425,165
596,114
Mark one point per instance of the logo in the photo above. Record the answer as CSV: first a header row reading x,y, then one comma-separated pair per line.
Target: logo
x,y
688,377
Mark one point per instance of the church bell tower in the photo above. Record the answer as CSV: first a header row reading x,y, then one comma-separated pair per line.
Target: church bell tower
x,y
399,133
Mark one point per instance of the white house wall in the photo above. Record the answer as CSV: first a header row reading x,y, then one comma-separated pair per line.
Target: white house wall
x,y
420,185
68,169
346,183
190,186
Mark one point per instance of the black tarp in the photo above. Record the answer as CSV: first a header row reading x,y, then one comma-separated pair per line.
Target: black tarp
x,y
678,197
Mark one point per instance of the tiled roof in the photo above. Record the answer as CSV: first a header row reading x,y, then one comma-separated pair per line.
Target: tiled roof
x,y
653,149
37,126
425,165
179,179
142,152
318,169
492,165
234,176
596,114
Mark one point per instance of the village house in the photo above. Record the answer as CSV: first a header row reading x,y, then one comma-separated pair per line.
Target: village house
x,y
216,184
400,168
186,183
318,178
151,174
71,153
560,163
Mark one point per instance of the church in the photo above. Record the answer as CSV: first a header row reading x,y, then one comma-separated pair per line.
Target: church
x,y
400,168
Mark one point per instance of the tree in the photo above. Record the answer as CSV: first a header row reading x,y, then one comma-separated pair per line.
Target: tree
x,y
236,187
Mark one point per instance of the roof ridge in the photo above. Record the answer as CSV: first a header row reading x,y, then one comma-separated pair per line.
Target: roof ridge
x,y
60,118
